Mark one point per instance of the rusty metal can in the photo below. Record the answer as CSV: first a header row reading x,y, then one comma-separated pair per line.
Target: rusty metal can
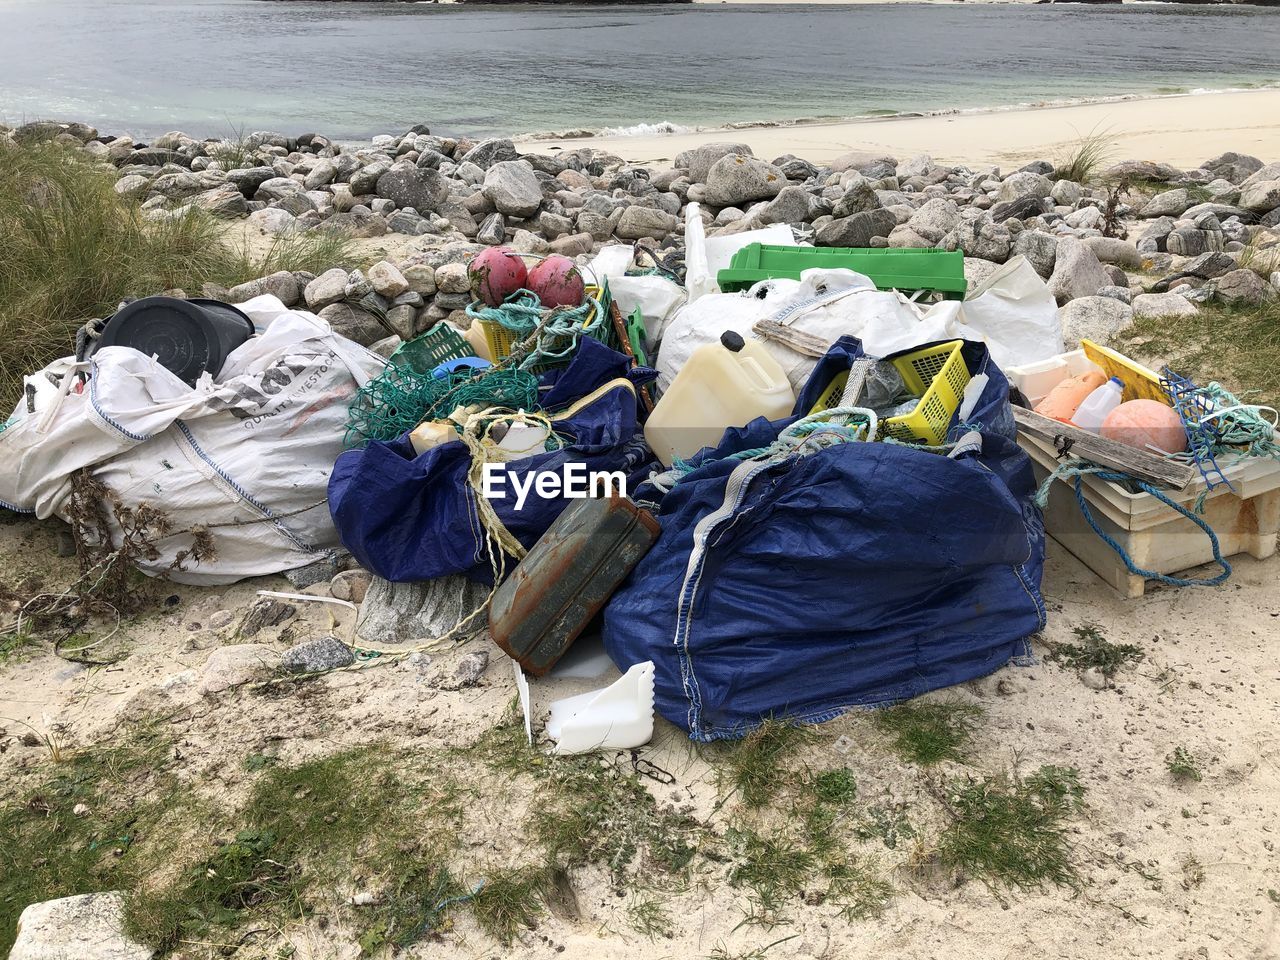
x,y
568,576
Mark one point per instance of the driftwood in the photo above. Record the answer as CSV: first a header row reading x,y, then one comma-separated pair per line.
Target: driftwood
x,y
799,341
1072,441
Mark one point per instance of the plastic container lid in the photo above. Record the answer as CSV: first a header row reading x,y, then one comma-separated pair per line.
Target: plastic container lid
x,y
187,337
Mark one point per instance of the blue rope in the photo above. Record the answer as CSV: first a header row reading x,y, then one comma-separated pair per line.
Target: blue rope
x,y
1078,470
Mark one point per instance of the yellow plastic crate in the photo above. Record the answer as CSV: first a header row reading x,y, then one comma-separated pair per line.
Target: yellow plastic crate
x,y
501,341
1140,383
938,375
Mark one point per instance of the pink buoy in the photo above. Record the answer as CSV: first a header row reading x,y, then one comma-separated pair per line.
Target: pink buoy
x,y
557,282
495,274
1146,423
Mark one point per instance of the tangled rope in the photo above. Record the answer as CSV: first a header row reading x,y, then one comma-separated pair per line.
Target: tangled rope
x,y
1075,470
543,336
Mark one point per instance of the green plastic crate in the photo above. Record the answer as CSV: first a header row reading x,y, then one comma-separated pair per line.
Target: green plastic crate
x,y
907,270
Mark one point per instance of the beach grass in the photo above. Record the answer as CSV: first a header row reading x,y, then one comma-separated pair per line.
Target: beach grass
x,y
74,249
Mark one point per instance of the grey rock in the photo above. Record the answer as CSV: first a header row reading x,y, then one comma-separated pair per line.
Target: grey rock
x,y
856,230
1141,170
1235,167
1117,292
513,188
263,613
1040,249
1244,286
736,179
1096,318
1112,250
935,219
281,284
980,238
387,280
555,225
354,223
493,230
1162,305
1190,242
453,278
1093,678
408,222
1023,208
353,323
236,665
351,585
133,186
791,205
859,197
1076,272
1219,210
1086,218
488,152
317,656
1171,203
918,166
1156,236
312,573
275,221
225,202
329,287
365,180
423,190
640,222
277,188
699,161
1270,171
796,169
324,172
410,613
1209,265
421,278
977,272
1025,184
573,245
1261,197
468,671
85,927
1066,192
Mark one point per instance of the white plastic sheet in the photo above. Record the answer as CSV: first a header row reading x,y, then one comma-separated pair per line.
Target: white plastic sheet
x,y
247,456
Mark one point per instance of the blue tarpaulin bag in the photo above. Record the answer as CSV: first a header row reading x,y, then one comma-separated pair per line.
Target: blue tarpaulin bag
x,y
799,586
411,518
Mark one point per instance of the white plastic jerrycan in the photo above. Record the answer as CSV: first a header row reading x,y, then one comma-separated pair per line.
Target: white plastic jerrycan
x,y
724,384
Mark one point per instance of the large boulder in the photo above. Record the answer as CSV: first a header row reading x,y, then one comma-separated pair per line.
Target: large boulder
x,y
1113,250
980,238
737,179
857,230
791,205
1261,197
329,287
1163,305
1040,249
1025,184
424,190
1077,272
1243,286
513,188
1235,167
699,161
488,152
859,196
639,222
85,927
1093,318
935,219
1171,203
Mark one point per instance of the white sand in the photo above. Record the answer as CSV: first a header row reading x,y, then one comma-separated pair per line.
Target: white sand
x,y
1181,130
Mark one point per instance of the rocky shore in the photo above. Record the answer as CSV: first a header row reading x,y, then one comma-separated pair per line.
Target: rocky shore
x,y
1138,238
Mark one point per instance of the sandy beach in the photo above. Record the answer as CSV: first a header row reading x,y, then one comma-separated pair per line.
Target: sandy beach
x,y
1182,130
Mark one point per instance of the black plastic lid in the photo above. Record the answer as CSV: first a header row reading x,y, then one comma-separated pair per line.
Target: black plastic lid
x,y
732,340
187,337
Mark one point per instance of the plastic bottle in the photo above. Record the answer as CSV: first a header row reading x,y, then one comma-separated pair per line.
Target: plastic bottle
x,y
1095,407
724,384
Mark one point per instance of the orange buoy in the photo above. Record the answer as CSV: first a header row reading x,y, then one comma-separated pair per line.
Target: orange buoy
x,y
1146,423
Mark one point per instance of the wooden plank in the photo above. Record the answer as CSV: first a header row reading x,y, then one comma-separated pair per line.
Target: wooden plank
x,y
1072,441
799,341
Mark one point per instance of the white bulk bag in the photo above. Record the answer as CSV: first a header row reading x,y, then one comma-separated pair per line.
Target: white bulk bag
x,y
246,457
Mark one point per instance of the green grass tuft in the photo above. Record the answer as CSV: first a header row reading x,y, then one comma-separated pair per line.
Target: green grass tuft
x,y
757,766
1184,766
930,732
1085,156
509,901
1094,651
73,249
1010,832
